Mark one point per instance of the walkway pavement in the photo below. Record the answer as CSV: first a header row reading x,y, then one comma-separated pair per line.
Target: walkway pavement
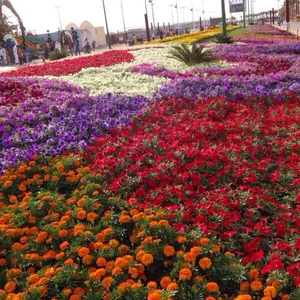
x,y
39,61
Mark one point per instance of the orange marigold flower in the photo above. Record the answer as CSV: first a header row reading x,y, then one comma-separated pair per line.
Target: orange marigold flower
x,y
253,274
198,278
79,291
125,219
2,261
189,257
91,216
106,282
256,285
212,287
122,287
205,263
69,261
151,285
266,298
172,286
210,298
216,248
169,250
270,291
147,259
75,297
185,274
163,223
123,249
204,241
244,286
243,297
116,271
285,297
121,263
101,262
154,295
87,260
133,272
33,278
13,199
195,250
66,291
10,286
165,281
63,246
81,214
7,183
83,251
181,239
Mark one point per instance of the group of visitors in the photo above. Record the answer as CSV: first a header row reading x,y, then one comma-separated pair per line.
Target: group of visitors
x,y
11,53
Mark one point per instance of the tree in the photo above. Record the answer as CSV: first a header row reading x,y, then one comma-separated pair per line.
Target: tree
x,y
8,4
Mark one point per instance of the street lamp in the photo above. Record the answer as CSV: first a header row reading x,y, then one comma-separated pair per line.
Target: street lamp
x,y
57,7
204,24
125,34
151,2
183,7
192,10
108,37
172,13
147,24
176,6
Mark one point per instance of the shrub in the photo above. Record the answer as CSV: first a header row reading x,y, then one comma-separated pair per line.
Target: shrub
x,y
221,38
56,55
191,55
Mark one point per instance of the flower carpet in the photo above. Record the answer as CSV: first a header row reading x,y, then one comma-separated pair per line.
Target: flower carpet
x,y
128,175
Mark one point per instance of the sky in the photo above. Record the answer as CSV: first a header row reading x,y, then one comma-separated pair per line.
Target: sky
x,y
41,15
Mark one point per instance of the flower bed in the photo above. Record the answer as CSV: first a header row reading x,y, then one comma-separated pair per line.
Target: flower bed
x,y
181,183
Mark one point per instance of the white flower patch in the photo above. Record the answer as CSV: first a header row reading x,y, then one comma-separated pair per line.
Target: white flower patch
x,y
117,79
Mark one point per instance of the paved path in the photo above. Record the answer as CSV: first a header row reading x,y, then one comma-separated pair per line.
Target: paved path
x,y
39,61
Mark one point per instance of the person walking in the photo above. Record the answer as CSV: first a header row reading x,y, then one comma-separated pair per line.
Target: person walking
x,y
3,59
15,52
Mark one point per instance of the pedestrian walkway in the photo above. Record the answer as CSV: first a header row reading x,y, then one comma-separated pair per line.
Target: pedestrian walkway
x,y
294,28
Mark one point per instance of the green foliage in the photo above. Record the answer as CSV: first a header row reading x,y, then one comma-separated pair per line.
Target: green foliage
x,y
191,55
221,38
56,55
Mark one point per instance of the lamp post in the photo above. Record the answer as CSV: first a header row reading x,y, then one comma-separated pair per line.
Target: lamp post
x,y
125,34
176,6
192,10
108,37
223,18
147,23
172,13
151,2
57,7
183,7
204,24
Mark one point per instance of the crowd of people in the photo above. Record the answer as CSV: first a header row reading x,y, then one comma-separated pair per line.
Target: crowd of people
x,y
11,53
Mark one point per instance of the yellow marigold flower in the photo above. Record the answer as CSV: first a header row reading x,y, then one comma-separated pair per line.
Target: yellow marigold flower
x,y
212,287
147,259
244,286
270,291
169,250
256,285
185,274
165,281
205,263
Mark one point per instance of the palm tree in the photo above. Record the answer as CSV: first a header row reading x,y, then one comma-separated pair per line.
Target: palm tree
x,y
8,4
